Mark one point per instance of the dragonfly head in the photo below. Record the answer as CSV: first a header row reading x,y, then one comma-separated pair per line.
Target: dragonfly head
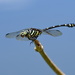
x,y
23,34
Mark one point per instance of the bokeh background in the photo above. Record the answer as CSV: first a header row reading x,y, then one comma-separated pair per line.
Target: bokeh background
x,y
19,57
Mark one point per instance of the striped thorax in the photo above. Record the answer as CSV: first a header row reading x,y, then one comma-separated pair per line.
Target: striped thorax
x,y
31,33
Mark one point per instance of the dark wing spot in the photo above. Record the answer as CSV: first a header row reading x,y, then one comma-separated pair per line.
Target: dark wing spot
x,y
7,34
17,35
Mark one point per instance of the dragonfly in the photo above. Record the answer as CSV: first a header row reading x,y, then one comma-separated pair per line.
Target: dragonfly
x,y
33,33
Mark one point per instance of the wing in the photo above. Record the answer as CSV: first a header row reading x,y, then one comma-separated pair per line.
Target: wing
x,y
53,32
12,35
17,35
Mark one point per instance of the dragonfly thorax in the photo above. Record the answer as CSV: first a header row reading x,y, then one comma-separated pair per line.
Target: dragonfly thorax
x,y
31,33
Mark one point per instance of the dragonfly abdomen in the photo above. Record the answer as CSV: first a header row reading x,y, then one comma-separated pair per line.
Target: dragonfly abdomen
x,y
63,25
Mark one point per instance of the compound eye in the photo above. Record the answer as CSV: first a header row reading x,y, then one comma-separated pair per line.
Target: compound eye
x,y
22,34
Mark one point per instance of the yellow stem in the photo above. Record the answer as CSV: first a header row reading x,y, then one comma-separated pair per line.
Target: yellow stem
x,y
39,48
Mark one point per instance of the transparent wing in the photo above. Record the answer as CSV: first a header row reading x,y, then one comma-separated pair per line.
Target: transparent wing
x,y
12,35
16,35
53,32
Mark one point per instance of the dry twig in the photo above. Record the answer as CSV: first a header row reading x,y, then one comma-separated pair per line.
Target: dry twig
x,y
39,48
